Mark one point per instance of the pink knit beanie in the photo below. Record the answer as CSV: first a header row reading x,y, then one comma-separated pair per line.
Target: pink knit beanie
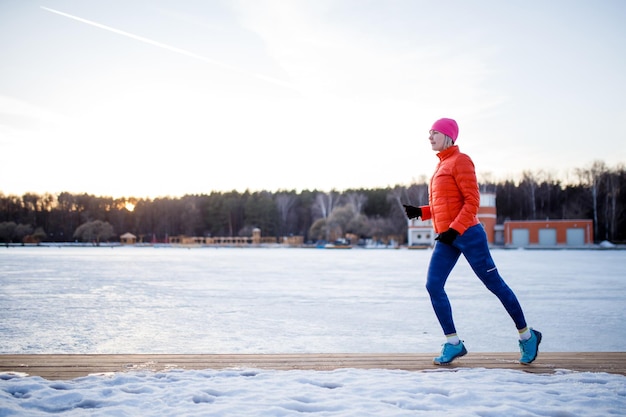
x,y
448,127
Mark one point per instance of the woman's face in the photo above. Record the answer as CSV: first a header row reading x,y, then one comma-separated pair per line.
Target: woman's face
x,y
437,140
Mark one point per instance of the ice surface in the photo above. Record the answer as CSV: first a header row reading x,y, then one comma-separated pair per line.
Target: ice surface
x,y
149,300
169,300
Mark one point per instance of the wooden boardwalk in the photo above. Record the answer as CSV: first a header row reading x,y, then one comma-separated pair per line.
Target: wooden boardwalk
x,y
65,367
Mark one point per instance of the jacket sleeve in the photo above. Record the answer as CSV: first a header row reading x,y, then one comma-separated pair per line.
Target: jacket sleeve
x,y
426,215
465,177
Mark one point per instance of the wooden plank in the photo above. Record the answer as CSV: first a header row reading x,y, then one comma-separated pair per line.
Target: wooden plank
x,y
68,366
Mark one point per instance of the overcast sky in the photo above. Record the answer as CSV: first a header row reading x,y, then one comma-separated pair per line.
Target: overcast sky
x,y
151,98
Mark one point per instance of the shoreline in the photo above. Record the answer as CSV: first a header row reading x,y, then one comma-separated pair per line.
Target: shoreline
x,y
598,246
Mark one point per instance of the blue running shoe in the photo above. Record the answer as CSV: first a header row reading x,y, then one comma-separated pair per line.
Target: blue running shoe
x,y
449,353
529,348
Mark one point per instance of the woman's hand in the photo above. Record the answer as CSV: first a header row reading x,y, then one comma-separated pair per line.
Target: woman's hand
x,y
448,236
412,212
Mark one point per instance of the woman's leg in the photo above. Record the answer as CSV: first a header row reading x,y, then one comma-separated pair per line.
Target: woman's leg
x,y
442,261
473,244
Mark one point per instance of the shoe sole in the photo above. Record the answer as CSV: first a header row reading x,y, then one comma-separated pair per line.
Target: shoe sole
x,y
463,353
537,352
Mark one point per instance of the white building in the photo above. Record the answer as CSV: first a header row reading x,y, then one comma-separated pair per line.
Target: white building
x,y
420,233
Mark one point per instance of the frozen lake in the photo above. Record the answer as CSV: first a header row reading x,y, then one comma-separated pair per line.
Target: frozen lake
x,y
227,300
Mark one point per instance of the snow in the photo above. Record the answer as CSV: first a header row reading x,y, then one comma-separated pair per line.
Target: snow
x,y
166,300
346,392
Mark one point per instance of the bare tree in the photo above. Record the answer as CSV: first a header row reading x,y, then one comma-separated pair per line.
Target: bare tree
x,y
7,231
546,184
325,203
381,228
397,218
592,177
356,200
530,185
399,196
612,194
319,230
417,193
94,231
339,219
285,204
23,230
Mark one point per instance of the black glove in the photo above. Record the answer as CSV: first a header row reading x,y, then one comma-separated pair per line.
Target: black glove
x,y
448,236
412,212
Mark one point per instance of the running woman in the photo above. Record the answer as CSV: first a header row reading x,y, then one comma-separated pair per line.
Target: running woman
x,y
453,201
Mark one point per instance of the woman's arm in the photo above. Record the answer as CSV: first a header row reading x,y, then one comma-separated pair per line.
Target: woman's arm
x,y
465,177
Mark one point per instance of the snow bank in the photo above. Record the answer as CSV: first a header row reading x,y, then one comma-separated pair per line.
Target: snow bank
x,y
345,392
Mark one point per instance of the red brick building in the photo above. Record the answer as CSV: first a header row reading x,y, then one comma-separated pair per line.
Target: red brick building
x,y
548,233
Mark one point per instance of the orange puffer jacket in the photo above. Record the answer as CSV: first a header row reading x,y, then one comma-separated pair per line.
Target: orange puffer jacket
x,y
453,195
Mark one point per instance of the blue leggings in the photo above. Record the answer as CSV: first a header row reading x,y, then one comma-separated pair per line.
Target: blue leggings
x,y
473,245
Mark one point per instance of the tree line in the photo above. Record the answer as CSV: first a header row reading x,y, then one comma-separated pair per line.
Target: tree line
x,y
598,193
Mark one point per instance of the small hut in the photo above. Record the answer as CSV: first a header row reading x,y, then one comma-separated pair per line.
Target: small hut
x,y
128,239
